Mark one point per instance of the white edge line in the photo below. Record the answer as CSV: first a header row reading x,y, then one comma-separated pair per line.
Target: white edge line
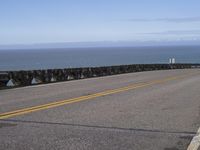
x,y
195,143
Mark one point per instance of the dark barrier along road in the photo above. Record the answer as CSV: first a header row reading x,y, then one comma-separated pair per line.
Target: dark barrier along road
x,y
10,79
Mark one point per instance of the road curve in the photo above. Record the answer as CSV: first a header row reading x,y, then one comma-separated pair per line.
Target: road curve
x,y
148,110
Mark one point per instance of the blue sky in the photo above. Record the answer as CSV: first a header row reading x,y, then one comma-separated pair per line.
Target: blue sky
x,y
46,21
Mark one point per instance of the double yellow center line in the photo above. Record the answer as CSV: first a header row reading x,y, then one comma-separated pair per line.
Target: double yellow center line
x,y
83,98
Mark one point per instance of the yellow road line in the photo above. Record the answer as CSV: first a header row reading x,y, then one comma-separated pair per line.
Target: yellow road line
x,y
83,98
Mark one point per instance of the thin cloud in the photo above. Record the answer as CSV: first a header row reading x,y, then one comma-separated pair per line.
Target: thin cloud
x,y
174,20
177,32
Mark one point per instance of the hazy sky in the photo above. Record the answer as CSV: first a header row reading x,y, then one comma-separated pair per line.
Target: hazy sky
x,y
40,21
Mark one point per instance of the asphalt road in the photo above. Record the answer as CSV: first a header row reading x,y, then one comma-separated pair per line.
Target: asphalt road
x,y
157,110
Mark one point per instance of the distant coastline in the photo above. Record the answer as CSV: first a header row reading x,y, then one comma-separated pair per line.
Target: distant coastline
x,y
100,44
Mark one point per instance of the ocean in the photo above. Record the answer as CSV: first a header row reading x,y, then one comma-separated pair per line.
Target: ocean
x,y
29,59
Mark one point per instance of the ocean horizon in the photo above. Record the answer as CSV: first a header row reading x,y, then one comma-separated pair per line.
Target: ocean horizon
x,y
35,59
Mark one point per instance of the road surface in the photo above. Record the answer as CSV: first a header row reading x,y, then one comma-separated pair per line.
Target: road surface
x,y
155,110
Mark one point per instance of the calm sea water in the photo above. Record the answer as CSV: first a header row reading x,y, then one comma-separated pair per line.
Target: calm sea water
x,y
90,57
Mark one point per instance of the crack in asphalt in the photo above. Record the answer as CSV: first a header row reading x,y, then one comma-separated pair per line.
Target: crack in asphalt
x,y
102,127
